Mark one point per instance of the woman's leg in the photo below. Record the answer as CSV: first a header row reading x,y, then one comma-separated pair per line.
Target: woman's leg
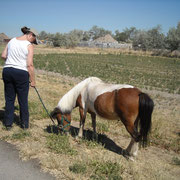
x,y
10,95
22,88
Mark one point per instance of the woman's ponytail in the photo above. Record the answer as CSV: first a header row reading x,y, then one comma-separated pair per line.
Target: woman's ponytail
x,y
25,30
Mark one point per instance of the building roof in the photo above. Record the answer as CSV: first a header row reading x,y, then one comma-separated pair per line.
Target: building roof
x,y
3,36
106,39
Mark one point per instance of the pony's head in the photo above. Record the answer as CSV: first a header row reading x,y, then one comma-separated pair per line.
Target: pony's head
x,y
63,119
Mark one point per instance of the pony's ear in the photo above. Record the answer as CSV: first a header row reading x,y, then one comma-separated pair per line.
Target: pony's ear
x,y
55,112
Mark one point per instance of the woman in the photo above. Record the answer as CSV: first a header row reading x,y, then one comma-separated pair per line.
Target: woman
x,y
18,71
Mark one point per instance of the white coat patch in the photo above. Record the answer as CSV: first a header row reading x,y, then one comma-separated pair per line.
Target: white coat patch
x,y
89,89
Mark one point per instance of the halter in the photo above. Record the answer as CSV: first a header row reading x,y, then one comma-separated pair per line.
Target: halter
x,y
62,120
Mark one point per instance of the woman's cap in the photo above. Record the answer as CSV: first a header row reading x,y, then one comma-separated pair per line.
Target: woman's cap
x,y
35,33
25,30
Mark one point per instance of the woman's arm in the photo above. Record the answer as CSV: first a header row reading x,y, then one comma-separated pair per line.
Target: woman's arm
x,y
4,53
30,65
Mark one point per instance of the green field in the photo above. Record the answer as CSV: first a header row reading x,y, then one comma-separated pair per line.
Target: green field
x,y
141,71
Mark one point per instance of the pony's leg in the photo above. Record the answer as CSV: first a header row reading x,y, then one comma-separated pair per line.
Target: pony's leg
x,y
131,124
131,127
82,121
132,148
93,117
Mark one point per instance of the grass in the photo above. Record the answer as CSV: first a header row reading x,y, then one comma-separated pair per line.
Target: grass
x,y
60,144
99,170
102,127
141,71
176,161
106,170
20,135
78,168
90,144
88,159
36,109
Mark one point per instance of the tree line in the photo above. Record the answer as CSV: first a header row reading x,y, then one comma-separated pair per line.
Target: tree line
x,y
152,39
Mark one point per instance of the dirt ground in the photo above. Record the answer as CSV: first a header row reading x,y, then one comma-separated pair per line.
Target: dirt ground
x,y
161,160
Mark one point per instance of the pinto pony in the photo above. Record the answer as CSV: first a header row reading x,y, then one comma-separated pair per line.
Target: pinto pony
x,y
109,101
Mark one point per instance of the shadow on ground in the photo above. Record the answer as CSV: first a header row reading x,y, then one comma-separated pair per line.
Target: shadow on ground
x,y
16,117
89,135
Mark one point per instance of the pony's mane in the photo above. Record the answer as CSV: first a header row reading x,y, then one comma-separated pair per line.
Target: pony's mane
x,y
68,101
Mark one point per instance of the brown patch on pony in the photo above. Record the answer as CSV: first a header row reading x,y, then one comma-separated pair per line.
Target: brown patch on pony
x,y
62,121
81,110
79,104
127,103
127,107
57,114
79,101
105,105
120,104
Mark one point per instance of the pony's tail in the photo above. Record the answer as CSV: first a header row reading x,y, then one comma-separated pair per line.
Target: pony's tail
x,y
146,106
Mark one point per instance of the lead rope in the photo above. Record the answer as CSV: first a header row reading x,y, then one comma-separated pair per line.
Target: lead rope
x,y
44,105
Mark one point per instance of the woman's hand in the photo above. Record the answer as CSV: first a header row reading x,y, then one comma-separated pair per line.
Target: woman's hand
x,y
32,84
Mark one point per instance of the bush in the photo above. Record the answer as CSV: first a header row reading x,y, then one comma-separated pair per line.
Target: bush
x,y
175,54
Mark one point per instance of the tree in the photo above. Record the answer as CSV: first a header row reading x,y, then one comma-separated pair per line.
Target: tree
x,y
120,36
70,39
86,36
73,38
97,32
125,36
149,40
155,39
173,38
59,40
139,40
43,35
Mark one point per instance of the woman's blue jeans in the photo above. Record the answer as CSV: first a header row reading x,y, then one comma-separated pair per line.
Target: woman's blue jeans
x,y
16,82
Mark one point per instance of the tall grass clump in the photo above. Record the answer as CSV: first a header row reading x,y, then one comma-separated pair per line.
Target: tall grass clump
x,y
106,170
78,168
98,170
60,144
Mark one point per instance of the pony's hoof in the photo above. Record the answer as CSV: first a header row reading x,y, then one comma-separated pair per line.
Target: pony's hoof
x,y
77,138
66,133
131,158
127,155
